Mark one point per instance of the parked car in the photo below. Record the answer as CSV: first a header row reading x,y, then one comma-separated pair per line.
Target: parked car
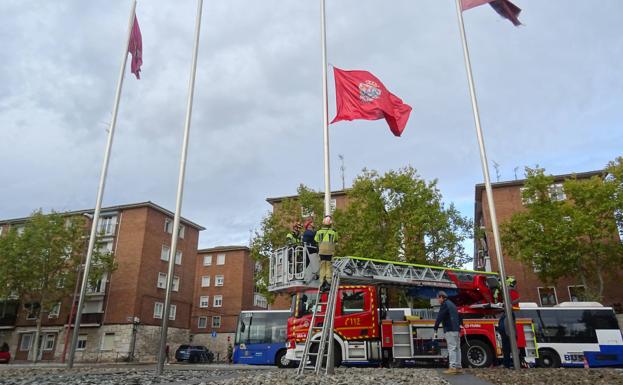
x,y
194,353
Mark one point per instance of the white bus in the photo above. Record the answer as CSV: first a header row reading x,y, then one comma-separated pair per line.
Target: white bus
x,y
575,334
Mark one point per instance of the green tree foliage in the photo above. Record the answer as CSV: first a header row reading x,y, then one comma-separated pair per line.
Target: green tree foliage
x,y
400,216
575,237
40,264
395,216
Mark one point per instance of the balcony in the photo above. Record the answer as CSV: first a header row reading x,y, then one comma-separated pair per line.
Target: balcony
x,y
89,319
8,321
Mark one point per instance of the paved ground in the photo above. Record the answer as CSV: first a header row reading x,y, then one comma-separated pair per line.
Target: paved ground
x,y
176,374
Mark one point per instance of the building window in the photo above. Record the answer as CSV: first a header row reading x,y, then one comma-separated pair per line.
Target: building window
x,y
220,259
107,225
172,311
333,205
260,301
158,309
108,341
204,301
547,296
216,321
577,293
218,301
205,281
99,286
164,253
219,280
82,342
168,226
19,229
176,283
48,342
26,342
202,322
162,281
557,192
32,310
55,311
178,257
207,260
182,231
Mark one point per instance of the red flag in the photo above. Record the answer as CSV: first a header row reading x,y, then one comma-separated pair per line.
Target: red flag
x,y
360,95
504,8
135,48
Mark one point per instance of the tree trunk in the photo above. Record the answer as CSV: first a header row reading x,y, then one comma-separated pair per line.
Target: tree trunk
x,y
36,347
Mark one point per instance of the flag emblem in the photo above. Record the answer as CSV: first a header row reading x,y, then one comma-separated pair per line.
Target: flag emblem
x,y
368,91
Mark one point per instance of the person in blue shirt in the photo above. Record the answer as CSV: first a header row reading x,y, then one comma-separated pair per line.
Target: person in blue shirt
x,y
449,317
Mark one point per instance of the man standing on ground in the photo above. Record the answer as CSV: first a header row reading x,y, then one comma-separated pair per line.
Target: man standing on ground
x,y
449,317
326,238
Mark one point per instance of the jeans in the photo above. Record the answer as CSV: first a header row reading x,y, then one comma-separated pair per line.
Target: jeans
x,y
454,349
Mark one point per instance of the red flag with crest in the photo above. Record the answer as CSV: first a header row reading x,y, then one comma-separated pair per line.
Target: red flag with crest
x,y
135,48
361,95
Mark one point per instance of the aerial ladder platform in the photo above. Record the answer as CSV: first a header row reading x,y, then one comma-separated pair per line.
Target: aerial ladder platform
x,y
293,269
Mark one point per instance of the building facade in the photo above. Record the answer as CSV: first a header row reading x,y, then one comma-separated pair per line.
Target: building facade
x,y
123,311
507,197
224,286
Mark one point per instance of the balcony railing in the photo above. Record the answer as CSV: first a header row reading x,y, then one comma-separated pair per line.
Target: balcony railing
x,y
8,320
89,318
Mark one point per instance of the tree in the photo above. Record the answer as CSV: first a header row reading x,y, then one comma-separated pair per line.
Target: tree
x,y
400,216
574,237
40,263
395,216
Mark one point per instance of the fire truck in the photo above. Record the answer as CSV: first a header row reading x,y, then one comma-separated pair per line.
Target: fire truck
x,y
353,323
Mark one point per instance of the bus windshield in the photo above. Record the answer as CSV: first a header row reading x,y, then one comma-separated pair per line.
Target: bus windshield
x,y
262,327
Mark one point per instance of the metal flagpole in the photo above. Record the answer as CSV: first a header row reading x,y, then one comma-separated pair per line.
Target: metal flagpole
x,y
180,193
100,194
325,126
325,110
508,307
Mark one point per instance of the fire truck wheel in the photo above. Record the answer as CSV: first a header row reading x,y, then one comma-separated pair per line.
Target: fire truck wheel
x,y
477,354
337,354
548,359
281,361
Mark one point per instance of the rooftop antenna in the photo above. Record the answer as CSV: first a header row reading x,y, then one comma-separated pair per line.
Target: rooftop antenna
x,y
496,166
342,168
515,169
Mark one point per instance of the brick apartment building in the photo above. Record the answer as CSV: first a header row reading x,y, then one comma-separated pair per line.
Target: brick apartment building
x,y
508,200
123,312
224,285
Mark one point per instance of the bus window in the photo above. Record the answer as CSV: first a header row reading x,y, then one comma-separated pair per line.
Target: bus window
x,y
242,332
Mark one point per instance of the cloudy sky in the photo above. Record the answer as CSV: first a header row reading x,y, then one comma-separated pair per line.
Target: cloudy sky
x,y
550,93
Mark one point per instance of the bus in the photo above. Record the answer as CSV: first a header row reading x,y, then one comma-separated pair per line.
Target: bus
x,y
261,338
575,334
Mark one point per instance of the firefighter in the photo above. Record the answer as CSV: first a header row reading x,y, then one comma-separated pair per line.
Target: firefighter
x,y
511,282
449,316
326,238
294,237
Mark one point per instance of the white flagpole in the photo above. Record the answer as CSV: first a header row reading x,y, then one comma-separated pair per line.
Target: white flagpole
x,y
508,306
180,193
325,122
100,194
325,110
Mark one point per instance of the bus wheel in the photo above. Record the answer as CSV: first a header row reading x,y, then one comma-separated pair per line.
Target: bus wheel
x,y
548,359
476,354
281,361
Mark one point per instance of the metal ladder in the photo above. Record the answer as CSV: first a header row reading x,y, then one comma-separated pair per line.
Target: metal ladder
x,y
324,352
